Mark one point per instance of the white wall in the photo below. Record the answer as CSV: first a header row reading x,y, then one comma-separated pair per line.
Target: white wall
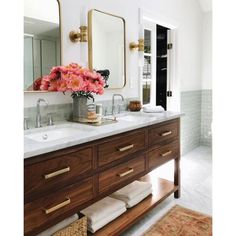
x,y
207,51
187,15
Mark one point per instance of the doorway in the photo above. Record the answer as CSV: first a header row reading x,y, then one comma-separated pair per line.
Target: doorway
x,y
159,76
162,66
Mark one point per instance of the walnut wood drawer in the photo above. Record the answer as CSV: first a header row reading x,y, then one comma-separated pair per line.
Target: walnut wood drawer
x,y
47,209
121,173
57,172
159,156
162,132
119,147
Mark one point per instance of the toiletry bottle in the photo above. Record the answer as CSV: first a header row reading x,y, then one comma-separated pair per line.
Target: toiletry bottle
x,y
99,111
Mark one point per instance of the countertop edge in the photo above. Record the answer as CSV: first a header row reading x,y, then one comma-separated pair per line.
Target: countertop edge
x,y
95,137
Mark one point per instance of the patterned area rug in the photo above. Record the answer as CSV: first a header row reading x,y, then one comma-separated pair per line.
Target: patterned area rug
x,y
180,221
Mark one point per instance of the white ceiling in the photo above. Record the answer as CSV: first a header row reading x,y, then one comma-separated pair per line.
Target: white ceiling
x,y
206,5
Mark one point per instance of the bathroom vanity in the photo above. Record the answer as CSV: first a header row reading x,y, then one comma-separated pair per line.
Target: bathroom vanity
x,y
64,176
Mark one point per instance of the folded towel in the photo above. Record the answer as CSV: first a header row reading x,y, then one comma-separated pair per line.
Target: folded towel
x,y
138,198
132,190
153,109
110,217
59,226
102,209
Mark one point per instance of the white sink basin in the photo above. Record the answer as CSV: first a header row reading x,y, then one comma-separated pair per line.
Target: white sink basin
x,y
54,134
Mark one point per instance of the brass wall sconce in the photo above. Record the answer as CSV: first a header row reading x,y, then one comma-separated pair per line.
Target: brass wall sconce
x,y
139,45
79,36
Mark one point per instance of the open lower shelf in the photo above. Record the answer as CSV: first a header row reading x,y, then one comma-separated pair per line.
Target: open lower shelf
x,y
161,190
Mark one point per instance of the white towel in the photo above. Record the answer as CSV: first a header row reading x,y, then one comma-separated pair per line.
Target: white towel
x,y
110,217
138,198
153,109
132,190
102,209
59,226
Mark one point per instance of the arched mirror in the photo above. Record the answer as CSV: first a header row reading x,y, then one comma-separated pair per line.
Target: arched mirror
x,y
42,40
107,47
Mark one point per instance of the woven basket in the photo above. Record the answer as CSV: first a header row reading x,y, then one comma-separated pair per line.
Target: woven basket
x,y
77,228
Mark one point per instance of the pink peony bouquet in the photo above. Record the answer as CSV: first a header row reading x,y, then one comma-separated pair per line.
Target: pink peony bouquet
x,y
74,78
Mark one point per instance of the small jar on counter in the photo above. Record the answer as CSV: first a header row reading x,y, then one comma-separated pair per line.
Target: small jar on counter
x,y
99,109
91,112
135,105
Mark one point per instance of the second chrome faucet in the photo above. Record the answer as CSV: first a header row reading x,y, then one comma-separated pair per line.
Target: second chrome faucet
x,y
113,102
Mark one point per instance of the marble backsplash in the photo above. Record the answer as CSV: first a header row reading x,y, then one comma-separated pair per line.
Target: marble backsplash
x,y
61,112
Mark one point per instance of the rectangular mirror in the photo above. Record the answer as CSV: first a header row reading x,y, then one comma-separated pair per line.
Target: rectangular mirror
x,y
42,40
107,47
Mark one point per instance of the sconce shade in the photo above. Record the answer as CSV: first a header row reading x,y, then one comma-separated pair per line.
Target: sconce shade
x,y
84,16
141,31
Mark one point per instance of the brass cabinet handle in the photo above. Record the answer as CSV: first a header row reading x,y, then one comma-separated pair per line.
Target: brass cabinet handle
x,y
58,172
126,148
166,153
126,173
60,205
166,133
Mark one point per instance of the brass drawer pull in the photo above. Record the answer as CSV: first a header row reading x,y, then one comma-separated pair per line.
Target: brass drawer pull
x,y
58,172
60,205
166,153
126,148
166,133
126,173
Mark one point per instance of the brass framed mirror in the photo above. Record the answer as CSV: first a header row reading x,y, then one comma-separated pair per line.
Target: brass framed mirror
x,y
106,46
42,40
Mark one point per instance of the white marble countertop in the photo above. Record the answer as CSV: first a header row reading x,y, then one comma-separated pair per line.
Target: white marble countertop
x,y
85,133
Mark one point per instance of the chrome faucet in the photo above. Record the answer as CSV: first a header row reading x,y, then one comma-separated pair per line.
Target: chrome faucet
x,y
38,115
113,102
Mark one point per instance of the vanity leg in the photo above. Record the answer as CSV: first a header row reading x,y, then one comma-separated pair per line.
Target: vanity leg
x,y
177,177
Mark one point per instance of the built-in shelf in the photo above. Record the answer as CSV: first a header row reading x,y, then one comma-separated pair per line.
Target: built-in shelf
x,y
161,190
147,54
162,56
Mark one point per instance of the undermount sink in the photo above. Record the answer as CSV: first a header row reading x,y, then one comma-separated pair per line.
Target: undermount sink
x,y
54,134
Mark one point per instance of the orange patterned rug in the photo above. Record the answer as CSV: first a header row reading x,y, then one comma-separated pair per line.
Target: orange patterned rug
x,y
180,221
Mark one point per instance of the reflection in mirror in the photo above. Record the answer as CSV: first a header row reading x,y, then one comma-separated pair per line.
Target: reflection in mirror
x,y
107,46
42,46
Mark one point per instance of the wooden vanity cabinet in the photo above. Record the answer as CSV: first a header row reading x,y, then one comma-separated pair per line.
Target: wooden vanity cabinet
x,y
120,147
61,183
58,171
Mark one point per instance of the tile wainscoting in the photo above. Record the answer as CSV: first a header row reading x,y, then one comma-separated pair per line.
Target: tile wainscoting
x,y
191,122
206,118
196,124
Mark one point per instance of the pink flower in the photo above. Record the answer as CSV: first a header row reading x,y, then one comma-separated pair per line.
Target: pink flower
x,y
44,85
73,78
62,86
74,84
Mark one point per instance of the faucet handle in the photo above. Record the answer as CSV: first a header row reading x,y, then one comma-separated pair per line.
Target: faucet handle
x,y
26,123
105,111
50,119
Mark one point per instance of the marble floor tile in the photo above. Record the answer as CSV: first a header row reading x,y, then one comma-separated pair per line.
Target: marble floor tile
x,y
196,191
